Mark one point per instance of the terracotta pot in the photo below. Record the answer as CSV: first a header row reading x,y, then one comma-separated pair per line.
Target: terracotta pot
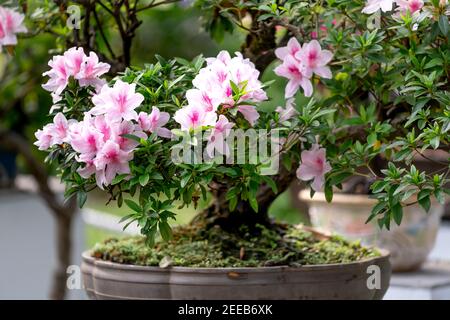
x,y
409,244
107,280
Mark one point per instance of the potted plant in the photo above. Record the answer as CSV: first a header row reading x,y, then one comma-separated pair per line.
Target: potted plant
x,y
176,131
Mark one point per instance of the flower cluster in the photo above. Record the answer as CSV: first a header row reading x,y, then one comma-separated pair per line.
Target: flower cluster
x,y
74,63
11,23
299,64
213,88
100,139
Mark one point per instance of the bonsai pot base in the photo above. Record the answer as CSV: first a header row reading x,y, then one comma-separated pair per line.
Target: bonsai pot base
x,y
356,280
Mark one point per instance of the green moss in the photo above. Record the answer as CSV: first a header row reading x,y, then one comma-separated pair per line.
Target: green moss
x,y
194,247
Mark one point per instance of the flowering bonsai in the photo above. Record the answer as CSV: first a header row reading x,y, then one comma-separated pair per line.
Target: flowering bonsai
x,y
362,88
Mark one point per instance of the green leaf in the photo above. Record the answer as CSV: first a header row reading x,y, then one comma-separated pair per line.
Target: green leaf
x,y
119,178
143,180
165,230
397,212
254,203
81,198
443,24
328,192
185,180
425,203
156,176
133,205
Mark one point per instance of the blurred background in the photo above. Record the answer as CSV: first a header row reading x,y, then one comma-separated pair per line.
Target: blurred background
x,y
29,251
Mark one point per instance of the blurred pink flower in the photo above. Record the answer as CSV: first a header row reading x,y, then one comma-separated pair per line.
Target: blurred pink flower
x,y
288,112
154,122
313,34
11,23
44,138
409,5
295,72
194,116
250,113
216,140
117,102
291,49
314,166
375,5
315,59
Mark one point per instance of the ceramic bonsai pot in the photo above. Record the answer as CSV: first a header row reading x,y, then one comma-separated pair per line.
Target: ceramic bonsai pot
x,y
107,280
409,244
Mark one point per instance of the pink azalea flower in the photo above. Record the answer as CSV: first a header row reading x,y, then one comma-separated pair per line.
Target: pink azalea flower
x,y
223,56
118,102
154,122
292,48
194,116
11,23
86,139
91,70
409,5
44,138
124,128
375,5
250,113
287,113
214,81
216,140
206,99
111,161
315,59
53,133
73,58
59,75
60,129
295,72
314,166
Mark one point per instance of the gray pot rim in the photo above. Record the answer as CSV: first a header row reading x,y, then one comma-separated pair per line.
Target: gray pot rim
x,y
119,266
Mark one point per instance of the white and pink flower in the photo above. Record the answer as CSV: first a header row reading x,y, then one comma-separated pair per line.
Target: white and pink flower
x,y
11,23
296,73
216,140
314,166
288,112
154,122
315,59
194,116
410,6
299,63
53,133
117,102
373,6
74,63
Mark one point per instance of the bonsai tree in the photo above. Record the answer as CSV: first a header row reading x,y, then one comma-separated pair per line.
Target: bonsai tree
x,y
368,87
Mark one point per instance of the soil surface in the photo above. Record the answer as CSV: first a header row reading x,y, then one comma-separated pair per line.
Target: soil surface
x,y
193,246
